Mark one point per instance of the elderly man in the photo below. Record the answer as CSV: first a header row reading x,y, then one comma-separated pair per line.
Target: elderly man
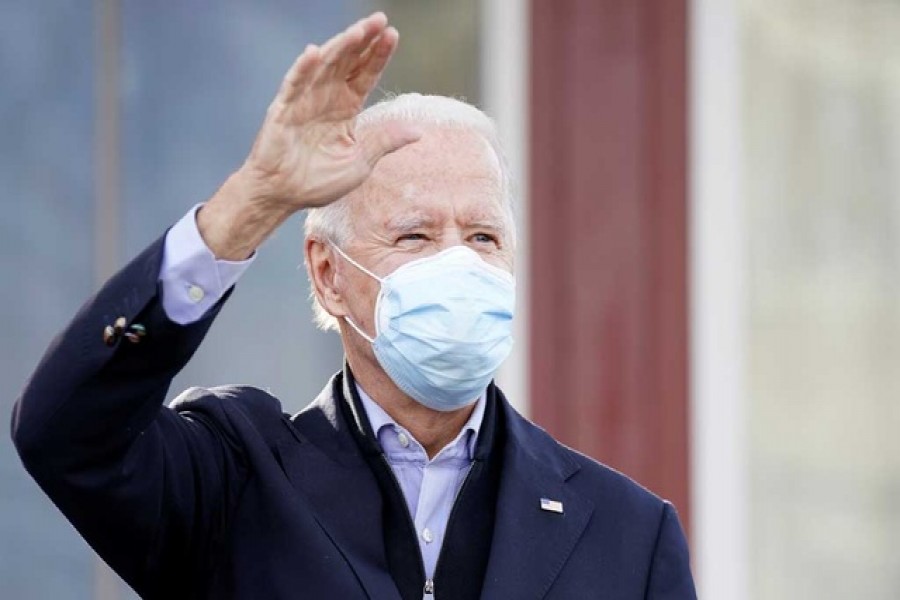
x,y
410,476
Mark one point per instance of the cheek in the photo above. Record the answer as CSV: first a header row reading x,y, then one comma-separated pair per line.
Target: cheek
x,y
502,260
360,293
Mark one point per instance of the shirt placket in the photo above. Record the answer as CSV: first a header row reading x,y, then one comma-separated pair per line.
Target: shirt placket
x,y
432,510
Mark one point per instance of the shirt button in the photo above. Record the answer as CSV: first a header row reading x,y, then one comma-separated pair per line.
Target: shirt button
x,y
196,293
427,535
403,439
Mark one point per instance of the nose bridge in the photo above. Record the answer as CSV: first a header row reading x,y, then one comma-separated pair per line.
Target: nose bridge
x,y
453,236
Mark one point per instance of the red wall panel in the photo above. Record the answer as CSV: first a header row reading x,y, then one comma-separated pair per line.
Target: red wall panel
x,y
609,229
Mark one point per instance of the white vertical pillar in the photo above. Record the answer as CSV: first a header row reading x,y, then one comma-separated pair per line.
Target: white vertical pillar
x,y
717,317
504,89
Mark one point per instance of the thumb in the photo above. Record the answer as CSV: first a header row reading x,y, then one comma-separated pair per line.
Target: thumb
x,y
382,139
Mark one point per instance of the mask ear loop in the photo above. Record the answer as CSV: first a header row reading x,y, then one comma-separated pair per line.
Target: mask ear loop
x,y
348,320
354,263
357,329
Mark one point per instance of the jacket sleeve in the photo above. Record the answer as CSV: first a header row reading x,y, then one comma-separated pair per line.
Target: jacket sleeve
x,y
670,571
147,487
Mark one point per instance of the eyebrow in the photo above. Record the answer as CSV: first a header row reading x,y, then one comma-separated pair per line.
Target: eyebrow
x,y
482,224
409,222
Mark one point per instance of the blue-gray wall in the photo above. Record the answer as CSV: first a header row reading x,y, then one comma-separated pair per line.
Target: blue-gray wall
x,y
196,78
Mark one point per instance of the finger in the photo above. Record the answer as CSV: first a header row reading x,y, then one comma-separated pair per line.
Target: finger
x,y
300,73
347,46
373,29
380,140
376,59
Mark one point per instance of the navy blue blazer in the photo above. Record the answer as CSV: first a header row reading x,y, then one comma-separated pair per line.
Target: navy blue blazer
x,y
221,495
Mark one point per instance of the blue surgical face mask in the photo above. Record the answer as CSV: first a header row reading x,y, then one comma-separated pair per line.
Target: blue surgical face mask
x,y
443,326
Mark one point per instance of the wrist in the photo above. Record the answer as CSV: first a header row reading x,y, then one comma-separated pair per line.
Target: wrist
x,y
239,218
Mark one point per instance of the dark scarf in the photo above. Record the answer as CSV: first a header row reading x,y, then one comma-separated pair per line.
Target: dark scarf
x,y
464,556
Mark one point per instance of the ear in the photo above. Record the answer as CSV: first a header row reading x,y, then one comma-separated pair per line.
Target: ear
x,y
321,268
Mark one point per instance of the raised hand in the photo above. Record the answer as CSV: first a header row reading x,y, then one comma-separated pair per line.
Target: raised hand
x,y
307,152
307,146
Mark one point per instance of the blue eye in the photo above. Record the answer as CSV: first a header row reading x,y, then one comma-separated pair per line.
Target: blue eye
x,y
484,238
415,237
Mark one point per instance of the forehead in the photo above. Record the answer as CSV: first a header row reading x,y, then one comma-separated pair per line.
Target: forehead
x,y
450,171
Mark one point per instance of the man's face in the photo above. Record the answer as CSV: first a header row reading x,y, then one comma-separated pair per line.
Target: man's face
x,y
443,191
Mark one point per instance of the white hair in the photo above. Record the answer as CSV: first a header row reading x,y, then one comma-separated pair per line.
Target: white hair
x,y
332,222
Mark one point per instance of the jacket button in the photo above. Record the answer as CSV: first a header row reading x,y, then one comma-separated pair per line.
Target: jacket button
x,y
135,332
112,333
119,325
110,337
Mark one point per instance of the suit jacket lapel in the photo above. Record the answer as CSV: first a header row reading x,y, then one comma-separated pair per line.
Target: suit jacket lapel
x,y
531,545
323,462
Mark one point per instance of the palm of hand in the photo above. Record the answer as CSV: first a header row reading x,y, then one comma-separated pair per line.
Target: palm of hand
x,y
307,150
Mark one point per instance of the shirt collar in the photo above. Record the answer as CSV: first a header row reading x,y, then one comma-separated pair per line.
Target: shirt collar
x,y
379,419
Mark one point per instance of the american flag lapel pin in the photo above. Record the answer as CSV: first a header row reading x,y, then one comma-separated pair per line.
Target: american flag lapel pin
x,y
551,505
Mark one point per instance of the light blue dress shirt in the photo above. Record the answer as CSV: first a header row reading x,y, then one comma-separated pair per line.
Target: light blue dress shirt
x,y
430,486
193,280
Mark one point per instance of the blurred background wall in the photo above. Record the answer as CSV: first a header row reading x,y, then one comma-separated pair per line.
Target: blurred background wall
x,y
117,117
795,297
820,124
708,205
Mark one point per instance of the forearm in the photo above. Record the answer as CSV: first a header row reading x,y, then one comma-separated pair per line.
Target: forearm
x,y
141,483
85,390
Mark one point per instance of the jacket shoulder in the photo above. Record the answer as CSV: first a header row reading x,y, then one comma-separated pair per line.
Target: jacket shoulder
x,y
234,408
643,528
600,477
593,478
